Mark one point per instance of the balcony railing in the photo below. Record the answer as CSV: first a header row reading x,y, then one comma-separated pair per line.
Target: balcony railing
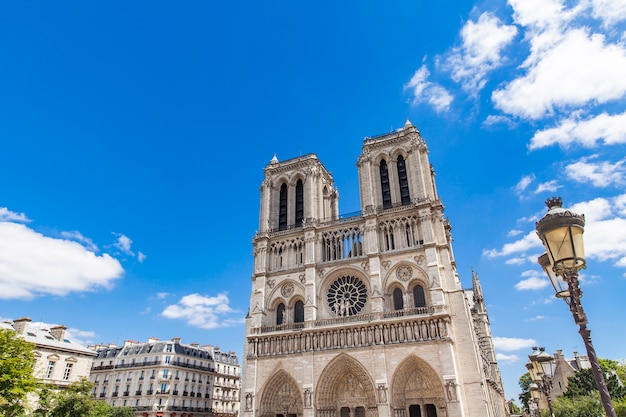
x,y
418,325
333,321
125,365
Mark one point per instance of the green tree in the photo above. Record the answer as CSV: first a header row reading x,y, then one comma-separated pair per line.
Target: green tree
x,y
620,407
77,401
583,382
581,406
524,397
17,360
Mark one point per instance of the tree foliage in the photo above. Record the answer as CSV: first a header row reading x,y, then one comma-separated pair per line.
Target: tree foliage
x,y
17,360
581,406
524,397
583,382
77,401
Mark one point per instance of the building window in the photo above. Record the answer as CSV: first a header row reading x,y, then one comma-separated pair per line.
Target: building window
x,y
282,208
404,182
68,371
299,203
168,359
418,296
50,369
298,312
166,372
398,302
347,296
384,184
280,315
168,348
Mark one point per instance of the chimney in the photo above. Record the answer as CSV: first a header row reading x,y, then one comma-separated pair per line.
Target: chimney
x,y
153,339
176,339
58,332
20,324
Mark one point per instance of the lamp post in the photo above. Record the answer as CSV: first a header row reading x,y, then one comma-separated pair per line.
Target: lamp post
x,y
561,232
541,369
534,395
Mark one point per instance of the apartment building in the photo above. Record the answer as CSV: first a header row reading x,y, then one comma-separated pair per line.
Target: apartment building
x,y
167,378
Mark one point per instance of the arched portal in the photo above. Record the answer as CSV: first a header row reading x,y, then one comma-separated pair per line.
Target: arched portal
x,y
416,390
345,389
281,397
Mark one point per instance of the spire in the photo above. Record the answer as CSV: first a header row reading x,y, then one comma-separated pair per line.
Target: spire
x,y
274,160
407,123
478,290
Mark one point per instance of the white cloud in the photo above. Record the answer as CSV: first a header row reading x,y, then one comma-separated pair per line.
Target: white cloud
x,y
503,358
609,11
533,282
529,241
550,186
511,344
538,14
605,128
425,91
7,215
514,232
523,184
32,264
141,257
202,311
480,51
494,120
516,261
600,174
78,237
571,69
123,243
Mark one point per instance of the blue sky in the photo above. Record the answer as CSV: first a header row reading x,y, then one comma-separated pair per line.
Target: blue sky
x,y
133,138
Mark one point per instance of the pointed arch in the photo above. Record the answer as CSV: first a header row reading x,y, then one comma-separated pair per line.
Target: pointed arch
x,y
345,382
385,187
281,395
403,181
299,203
415,382
282,207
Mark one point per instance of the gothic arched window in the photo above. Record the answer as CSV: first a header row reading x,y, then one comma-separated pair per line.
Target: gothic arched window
x,y
384,184
280,314
403,180
418,296
282,208
298,312
398,302
299,203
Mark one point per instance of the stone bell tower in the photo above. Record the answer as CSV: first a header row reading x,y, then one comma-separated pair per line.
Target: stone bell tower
x,y
363,316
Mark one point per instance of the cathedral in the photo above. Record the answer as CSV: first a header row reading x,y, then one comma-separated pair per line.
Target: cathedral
x,y
363,315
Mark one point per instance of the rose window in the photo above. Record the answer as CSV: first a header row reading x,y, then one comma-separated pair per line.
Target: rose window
x,y
347,296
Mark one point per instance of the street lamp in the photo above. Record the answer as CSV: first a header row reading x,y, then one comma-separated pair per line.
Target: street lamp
x,y
534,395
541,369
561,232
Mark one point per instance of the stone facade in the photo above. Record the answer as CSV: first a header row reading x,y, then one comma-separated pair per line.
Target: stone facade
x,y
167,378
363,315
59,361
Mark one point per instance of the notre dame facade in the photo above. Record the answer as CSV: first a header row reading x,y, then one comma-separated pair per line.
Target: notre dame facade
x,y
363,315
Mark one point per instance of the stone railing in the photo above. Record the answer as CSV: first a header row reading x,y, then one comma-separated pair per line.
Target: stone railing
x,y
359,334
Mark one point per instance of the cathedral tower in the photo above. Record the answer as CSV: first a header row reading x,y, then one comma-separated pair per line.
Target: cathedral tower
x,y
363,316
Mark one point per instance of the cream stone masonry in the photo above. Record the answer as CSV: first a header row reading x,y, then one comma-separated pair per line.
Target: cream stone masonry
x,y
363,315
167,378
59,361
